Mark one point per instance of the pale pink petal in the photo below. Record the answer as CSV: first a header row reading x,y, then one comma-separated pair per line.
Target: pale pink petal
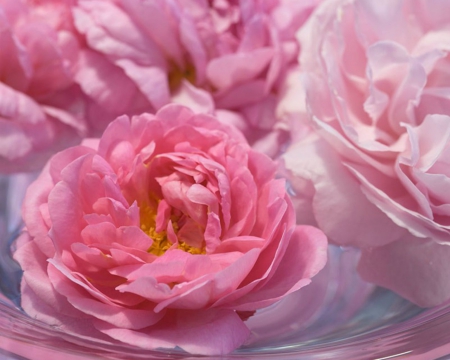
x,y
230,70
197,99
415,268
416,223
314,163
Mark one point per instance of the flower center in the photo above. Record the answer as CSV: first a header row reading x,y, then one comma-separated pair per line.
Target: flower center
x,y
177,74
148,225
161,242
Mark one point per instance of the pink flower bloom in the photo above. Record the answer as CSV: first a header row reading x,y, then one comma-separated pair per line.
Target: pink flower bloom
x,y
162,234
378,90
228,56
36,93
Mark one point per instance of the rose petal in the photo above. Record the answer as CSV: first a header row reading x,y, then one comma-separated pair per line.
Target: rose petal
x,y
215,332
415,268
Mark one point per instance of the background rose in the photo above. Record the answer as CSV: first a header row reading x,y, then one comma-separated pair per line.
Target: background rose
x,y
157,233
36,96
377,177
229,56
42,106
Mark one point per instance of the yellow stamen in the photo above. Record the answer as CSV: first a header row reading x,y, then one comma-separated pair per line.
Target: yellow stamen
x,y
148,225
190,249
161,242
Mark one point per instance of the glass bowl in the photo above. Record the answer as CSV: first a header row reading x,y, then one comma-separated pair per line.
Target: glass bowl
x,y
338,316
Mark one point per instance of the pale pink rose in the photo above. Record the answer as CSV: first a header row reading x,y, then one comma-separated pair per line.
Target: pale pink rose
x,y
163,233
377,176
37,95
228,56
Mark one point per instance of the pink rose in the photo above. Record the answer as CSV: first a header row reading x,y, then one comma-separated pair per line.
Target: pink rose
x,y
43,107
36,92
162,234
228,56
378,175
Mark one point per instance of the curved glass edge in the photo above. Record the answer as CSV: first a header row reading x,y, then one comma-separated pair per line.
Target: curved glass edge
x,y
425,336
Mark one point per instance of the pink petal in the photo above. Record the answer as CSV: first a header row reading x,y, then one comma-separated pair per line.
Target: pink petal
x,y
241,94
117,316
20,107
151,81
66,215
14,142
66,118
104,83
213,332
75,324
64,158
37,284
111,31
192,43
158,20
240,243
204,291
305,256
